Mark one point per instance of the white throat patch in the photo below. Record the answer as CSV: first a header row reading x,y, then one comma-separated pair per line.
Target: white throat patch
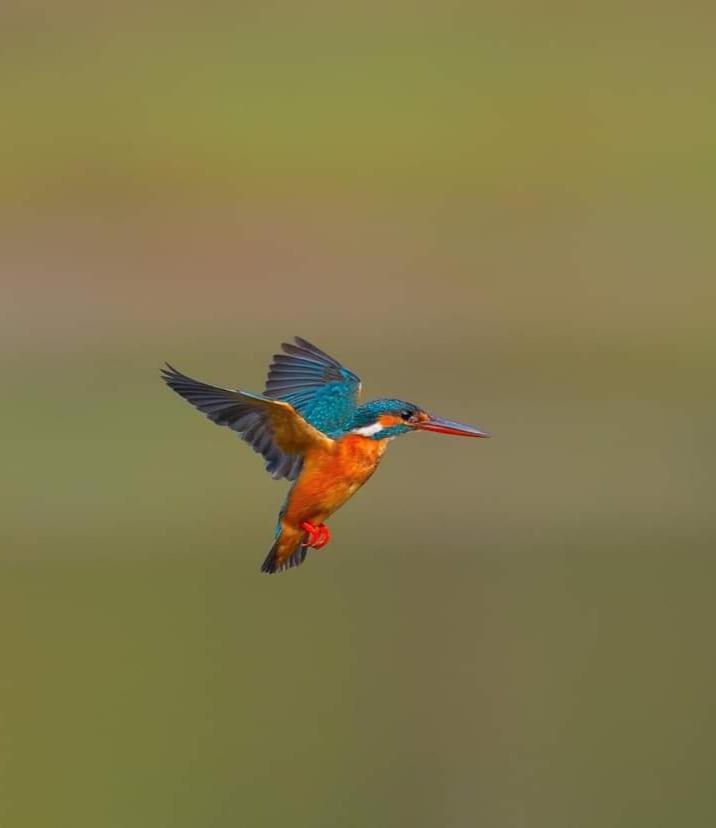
x,y
369,430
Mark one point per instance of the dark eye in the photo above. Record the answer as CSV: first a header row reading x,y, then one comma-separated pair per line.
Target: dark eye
x,y
406,414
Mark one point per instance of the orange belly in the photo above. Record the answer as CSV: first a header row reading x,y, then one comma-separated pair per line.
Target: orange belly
x,y
330,478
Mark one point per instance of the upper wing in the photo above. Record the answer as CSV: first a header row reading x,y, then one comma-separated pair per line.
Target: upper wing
x,y
316,385
270,427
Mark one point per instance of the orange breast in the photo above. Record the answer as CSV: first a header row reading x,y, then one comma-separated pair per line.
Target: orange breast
x,y
329,478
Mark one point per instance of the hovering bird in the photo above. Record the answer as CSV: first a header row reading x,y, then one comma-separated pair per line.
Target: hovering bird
x,y
310,429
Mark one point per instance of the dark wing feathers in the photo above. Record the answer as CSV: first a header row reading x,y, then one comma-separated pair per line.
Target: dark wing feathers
x,y
272,428
316,385
308,396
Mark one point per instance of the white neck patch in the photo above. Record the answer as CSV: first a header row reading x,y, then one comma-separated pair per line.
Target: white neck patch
x,y
369,430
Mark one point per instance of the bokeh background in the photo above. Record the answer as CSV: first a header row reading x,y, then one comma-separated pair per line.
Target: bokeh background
x,y
504,212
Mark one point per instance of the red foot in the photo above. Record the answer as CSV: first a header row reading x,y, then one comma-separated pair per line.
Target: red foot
x,y
318,536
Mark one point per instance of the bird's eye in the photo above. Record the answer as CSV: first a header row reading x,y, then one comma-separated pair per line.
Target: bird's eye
x,y
406,414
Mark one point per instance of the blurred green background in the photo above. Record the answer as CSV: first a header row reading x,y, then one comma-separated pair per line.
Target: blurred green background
x,y
503,212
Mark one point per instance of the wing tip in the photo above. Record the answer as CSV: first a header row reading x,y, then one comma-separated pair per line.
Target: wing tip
x,y
304,343
169,374
168,370
309,349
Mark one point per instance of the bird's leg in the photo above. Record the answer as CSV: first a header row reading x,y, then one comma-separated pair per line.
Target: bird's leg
x,y
318,535
313,533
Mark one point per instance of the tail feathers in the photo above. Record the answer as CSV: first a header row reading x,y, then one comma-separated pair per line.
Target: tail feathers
x,y
276,563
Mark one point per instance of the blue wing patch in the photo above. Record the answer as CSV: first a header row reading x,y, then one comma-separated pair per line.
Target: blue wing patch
x,y
322,391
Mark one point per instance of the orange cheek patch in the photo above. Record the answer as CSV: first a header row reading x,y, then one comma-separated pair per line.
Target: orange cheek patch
x,y
387,420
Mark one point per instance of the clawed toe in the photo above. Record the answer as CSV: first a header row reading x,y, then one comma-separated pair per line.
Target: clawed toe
x,y
323,537
318,535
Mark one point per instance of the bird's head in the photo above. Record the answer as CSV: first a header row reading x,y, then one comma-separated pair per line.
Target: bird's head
x,y
385,418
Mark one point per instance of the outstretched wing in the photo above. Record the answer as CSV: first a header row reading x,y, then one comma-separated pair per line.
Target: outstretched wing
x,y
272,428
316,385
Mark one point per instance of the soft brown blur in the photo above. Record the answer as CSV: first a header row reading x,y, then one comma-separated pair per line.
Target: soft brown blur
x,y
502,212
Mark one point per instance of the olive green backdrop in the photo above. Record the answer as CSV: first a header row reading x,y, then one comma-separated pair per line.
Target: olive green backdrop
x,y
504,213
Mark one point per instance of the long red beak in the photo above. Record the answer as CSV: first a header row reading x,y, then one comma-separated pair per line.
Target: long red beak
x,y
441,426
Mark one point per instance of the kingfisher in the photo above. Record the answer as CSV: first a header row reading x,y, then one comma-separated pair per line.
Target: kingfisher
x,y
311,430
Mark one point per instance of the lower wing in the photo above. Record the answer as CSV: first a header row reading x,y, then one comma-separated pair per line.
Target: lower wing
x,y
273,428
